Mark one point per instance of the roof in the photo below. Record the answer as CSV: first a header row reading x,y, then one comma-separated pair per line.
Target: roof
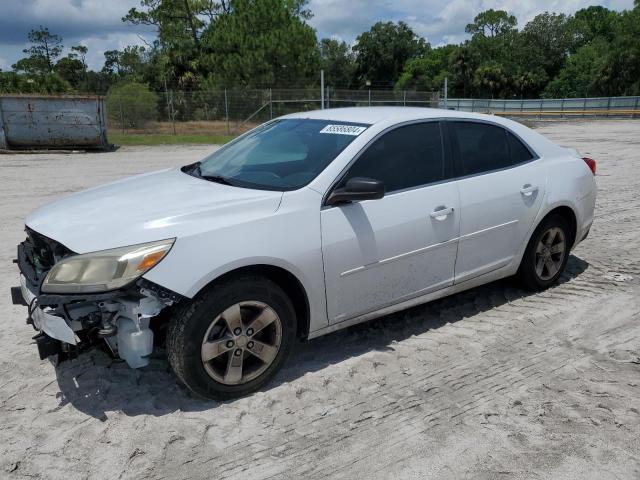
x,y
393,115
372,115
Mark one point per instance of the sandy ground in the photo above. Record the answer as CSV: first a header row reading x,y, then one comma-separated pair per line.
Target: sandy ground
x,y
492,383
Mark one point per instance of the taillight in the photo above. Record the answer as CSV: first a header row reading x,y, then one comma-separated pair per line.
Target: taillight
x,y
591,163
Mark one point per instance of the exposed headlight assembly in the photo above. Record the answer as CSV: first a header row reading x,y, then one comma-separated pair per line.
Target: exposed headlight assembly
x,y
105,270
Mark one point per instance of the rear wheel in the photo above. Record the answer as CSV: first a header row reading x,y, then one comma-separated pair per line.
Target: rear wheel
x,y
232,338
547,253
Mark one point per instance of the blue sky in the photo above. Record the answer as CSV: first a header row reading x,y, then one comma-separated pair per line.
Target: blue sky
x,y
97,23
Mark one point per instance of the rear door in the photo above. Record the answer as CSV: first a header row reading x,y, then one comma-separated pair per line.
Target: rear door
x,y
501,186
380,252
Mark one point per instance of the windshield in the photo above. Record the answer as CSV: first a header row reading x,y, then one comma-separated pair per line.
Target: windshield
x,y
280,155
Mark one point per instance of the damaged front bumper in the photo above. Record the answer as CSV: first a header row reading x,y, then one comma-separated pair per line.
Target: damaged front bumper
x,y
68,324
54,326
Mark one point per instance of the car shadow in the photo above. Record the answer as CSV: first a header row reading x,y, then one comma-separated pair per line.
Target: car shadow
x,y
96,384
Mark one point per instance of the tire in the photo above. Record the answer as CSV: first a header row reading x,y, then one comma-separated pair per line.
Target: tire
x,y
213,313
529,272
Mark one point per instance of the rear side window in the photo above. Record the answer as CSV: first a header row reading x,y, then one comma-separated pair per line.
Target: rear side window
x,y
405,157
481,147
519,153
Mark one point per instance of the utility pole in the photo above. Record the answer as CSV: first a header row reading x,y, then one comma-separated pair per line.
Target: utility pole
x,y
322,89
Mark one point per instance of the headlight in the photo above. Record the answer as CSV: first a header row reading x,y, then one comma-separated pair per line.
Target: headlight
x,y
105,270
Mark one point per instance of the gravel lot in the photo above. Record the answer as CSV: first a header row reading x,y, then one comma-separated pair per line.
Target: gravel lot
x,y
491,383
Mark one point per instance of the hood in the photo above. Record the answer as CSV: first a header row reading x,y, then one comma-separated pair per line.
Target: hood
x,y
148,207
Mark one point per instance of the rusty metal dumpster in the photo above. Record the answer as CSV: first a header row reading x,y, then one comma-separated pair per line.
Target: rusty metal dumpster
x,y
52,122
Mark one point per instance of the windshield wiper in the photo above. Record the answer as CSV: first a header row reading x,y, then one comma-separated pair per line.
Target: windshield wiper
x,y
195,170
217,179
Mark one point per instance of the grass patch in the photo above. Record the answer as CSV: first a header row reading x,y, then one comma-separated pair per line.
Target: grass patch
x,y
165,139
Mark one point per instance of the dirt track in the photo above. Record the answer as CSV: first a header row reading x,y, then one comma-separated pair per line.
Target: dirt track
x,y
491,383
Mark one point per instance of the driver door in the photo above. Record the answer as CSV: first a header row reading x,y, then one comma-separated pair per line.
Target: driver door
x,y
380,252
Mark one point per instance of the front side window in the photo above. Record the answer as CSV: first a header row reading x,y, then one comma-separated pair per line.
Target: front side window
x,y
281,155
405,157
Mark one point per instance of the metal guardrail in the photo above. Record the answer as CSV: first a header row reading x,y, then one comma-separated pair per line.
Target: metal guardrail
x,y
550,107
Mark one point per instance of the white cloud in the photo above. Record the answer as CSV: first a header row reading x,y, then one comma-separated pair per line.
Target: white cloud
x,y
345,19
78,14
4,65
439,21
94,23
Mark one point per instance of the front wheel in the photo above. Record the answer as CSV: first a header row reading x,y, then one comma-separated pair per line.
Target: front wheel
x,y
232,338
547,253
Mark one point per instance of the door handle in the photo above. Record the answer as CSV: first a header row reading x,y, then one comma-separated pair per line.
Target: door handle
x,y
527,190
442,212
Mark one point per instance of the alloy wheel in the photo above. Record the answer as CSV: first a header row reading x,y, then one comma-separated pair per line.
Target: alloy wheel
x,y
550,253
241,342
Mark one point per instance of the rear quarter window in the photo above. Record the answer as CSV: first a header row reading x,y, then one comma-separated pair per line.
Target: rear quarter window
x,y
483,147
519,152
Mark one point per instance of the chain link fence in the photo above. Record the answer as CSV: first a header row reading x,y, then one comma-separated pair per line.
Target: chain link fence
x,y
230,112
233,111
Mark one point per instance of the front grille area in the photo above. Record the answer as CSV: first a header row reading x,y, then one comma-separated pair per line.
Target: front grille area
x,y
37,254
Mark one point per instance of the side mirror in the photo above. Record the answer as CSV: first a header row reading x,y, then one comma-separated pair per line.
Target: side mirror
x,y
357,188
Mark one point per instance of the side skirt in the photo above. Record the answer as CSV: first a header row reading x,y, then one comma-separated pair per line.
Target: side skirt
x,y
503,272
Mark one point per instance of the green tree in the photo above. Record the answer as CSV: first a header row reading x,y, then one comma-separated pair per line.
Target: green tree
x,y
620,74
495,49
131,104
81,53
577,77
71,69
337,61
382,52
550,37
462,65
608,61
130,62
491,78
111,62
179,22
491,23
45,48
180,25
592,22
528,82
97,82
427,72
261,43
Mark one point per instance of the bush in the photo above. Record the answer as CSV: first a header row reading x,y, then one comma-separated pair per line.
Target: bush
x,y
50,83
131,104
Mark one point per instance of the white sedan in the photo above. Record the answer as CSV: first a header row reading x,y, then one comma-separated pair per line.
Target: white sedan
x,y
307,224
